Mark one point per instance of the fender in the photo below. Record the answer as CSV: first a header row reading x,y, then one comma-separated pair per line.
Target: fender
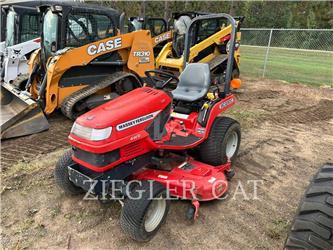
x,y
217,109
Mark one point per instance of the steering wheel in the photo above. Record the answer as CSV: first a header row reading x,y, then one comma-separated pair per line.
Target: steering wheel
x,y
160,78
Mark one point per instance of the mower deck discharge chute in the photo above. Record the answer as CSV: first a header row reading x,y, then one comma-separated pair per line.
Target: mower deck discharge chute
x,y
151,143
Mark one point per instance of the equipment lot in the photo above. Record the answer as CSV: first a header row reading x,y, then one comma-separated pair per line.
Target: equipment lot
x,y
287,134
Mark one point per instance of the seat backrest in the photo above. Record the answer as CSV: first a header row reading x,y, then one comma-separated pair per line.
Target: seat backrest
x,y
193,83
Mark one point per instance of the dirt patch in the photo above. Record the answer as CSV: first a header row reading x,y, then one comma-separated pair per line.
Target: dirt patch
x,y
287,135
27,148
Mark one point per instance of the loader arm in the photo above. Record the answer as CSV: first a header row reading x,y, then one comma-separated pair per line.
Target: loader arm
x,y
15,62
135,50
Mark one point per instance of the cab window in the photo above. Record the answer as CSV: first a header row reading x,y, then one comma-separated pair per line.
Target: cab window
x,y
206,28
86,28
29,27
156,26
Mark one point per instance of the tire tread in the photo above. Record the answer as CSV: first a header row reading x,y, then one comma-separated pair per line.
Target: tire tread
x,y
61,175
313,225
132,215
210,150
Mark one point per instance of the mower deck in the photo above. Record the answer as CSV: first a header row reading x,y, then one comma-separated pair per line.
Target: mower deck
x,y
189,179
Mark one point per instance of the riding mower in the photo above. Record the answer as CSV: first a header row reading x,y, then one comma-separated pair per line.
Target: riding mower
x,y
151,143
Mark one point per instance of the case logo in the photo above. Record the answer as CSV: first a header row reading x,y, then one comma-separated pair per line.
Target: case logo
x,y
162,37
104,46
136,121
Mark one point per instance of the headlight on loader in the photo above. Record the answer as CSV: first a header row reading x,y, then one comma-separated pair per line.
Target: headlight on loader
x,y
91,134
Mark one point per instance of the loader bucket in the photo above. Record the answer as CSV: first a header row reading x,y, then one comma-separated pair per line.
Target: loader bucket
x,y
20,115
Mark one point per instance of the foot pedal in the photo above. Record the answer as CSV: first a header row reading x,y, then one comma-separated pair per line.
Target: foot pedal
x,y
229,174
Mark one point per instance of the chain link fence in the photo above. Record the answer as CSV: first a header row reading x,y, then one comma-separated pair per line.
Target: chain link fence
x,y
293,55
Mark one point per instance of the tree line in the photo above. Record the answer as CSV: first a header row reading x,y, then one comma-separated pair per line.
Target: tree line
x,y
258,14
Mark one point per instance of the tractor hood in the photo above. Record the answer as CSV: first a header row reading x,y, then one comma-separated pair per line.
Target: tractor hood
x,y
128,113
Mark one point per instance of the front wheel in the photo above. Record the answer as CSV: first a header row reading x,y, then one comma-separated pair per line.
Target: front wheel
x,y
61,174
222,143
144,213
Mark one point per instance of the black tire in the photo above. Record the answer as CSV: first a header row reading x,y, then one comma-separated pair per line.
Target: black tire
x,y
133,215
213,150
61,175
313,224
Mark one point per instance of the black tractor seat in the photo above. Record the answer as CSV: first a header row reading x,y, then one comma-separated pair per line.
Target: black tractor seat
x,y
194,83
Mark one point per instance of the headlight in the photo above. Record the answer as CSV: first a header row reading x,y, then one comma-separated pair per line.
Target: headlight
x,y
91,134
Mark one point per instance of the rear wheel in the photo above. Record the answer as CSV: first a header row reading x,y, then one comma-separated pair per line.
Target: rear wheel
x,y
61,174
142,217
313,224
223,142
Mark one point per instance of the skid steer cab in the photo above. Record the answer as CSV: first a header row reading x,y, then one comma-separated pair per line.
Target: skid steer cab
x,y
158,28
85,60
152,144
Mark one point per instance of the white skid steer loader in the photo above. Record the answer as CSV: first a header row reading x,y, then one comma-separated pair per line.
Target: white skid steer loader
x,y
20,25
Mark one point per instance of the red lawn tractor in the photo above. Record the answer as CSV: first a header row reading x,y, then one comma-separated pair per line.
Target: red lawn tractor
x,y
153,143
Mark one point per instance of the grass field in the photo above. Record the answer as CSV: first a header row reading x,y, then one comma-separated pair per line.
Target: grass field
x,y
308,67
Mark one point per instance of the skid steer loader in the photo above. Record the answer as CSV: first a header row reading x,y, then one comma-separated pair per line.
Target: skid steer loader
x,y
20,28
85,60
209,43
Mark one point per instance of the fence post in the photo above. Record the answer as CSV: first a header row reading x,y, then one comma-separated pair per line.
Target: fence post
x,y
267,52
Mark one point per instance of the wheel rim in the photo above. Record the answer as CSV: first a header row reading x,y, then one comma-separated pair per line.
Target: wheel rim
x,y
155,214
232,144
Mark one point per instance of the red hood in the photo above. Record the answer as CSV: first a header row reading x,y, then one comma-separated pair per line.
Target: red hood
x,y
137,103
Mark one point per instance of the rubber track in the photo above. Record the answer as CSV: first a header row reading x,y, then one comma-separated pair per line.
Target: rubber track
x,y
70,101
313,224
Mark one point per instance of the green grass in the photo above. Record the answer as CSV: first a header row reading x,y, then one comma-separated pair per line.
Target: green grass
x,y
307,67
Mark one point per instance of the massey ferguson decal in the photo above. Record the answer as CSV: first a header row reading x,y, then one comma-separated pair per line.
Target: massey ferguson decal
x,y
227,103
142,55
136,121
104,46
